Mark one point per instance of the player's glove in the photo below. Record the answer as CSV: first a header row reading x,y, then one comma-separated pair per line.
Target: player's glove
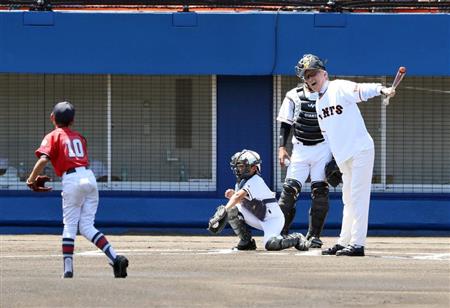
x,y
39,184
218,221
332,173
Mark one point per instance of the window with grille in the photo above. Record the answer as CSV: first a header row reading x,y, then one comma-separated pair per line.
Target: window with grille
x,y
411,135
144,133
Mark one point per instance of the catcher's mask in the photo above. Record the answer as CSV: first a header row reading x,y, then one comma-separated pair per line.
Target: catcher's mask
x,y
242,163
308,62
64,113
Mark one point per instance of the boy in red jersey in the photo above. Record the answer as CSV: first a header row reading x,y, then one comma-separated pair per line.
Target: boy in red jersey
x,y
67,151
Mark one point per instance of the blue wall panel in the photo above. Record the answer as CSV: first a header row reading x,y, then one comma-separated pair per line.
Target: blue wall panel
x,y
251,43
243,122
416,214
367,44
139,43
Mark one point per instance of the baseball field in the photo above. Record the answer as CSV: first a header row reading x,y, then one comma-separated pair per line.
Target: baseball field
x,y
202,271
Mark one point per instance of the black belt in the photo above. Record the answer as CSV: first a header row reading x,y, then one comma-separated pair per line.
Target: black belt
x,y
310,143
72,170
271,200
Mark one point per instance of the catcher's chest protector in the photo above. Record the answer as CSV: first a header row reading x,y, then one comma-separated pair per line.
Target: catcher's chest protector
x,y
306,126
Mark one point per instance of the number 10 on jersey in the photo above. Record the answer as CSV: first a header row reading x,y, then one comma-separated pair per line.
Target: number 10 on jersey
x,y
75,148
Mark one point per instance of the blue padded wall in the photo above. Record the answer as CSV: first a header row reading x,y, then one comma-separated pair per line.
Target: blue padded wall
x,y
250,43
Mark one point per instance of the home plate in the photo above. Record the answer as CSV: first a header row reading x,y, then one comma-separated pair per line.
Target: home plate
x,y
314,252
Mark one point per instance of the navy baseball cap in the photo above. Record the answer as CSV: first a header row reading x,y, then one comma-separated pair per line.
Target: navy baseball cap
x,y
64,113
308,62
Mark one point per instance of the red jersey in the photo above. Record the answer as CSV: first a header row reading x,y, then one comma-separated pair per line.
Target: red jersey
x,y
66,148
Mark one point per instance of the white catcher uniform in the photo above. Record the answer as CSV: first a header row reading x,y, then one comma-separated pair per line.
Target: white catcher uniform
x,y
305,159
343,126
273,221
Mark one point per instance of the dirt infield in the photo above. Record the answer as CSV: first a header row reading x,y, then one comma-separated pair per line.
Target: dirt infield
x,y
202,271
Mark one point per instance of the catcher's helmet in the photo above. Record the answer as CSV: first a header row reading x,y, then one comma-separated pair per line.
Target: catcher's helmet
x,y
64,113
245,159
308,62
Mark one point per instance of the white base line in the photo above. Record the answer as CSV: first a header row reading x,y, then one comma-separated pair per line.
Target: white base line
x,y
187,252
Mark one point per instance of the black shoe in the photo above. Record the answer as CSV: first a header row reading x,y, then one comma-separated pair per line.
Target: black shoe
x,y
351,251
315,242
247,245
333,250
120,267
67,275
302,244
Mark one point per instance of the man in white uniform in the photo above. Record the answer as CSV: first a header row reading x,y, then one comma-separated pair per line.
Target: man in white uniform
x,y
351,145
310,154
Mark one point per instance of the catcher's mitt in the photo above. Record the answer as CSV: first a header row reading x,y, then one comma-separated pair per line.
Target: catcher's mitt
x,y
333,174
218,221
39,184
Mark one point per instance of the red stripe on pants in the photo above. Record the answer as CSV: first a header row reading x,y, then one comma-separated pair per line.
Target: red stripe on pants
x,y
101,242
67,249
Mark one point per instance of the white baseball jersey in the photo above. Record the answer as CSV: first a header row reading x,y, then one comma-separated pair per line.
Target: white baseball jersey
x,y
256,188
337,105
273,222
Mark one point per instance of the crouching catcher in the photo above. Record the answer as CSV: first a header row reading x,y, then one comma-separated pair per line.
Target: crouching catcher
x,y
253,204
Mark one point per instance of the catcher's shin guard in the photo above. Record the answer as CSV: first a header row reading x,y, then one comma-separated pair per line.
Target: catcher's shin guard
x,y
237,223
281,242
289,195
319,209
296,240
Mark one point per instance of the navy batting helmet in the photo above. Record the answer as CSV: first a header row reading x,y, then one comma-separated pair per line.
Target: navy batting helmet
x,y
308,62
64,113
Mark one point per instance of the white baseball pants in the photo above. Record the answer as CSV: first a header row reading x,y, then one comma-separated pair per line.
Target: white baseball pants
x,y
309,160
80,201
357,181
272,223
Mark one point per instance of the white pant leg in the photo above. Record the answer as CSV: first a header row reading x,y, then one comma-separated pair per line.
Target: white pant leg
x,y
88,185
72,201
322,155
362,170
272,224
249,218
70,219
347,216
299,167
298,170
309,160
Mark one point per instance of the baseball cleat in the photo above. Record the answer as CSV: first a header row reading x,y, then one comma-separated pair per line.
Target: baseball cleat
x,y
67,275
249,245
351,251
120,267
333,250
315,242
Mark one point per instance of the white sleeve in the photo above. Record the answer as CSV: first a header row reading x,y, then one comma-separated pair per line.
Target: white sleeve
x,y
358,92
286,113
